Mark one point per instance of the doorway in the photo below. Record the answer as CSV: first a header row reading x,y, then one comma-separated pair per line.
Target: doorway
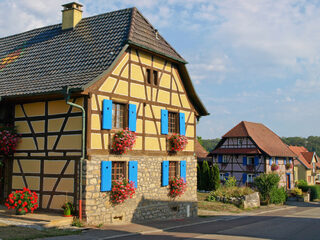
x,y
288,181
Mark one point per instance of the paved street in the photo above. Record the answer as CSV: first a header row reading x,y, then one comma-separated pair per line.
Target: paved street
x,y
293,222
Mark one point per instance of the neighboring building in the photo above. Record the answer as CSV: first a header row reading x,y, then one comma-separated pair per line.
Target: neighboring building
x,y
201,153
306,165
250,149
124,74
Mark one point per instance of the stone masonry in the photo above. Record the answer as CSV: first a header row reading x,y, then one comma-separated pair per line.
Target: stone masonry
x,y
150,200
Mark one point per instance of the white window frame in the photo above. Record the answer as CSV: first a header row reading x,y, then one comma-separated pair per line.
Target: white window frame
x,y
250,178
248,161
221,175
224,159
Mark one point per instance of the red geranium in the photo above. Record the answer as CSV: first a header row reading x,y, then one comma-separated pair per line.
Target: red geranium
x,y
177,142
121,190
177,187
23,201
274,167
8,140
123,141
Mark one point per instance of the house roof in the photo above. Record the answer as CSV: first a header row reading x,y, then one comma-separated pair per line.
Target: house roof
x,y
200,151
264,138
45,60
303,156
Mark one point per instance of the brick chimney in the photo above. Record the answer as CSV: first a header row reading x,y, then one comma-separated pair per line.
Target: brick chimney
x,y
71,15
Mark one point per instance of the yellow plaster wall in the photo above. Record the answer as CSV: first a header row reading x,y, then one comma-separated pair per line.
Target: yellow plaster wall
x,y
136,73
17,182
151,143
33,182
22,127
34,109
73,124
107,86
137,91
122,88
121,64
95,122
70,142
54,125
165,81
150,127
96,141
38,126
30,166
163,97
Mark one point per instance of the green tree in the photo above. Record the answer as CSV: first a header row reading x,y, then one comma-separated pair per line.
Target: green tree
x,y
199,177
216,176
205,176
200,140
265,183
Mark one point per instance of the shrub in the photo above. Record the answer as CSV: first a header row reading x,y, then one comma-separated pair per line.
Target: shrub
x,y
121,190
302,183
278,195
205,176
229,192
230,182
216,176
314,191
177,187
265,183
296,192
177,142
198,177
123,141
23,201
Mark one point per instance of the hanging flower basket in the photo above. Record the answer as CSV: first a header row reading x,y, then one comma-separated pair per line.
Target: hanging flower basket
x,y
177,142
274,167
177,187
121,190
289,166
123,141
8,140
22,201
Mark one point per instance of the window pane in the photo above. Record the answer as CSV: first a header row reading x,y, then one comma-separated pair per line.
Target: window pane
x,y
172,122
155,77
149,76
118,115
118,170
172,169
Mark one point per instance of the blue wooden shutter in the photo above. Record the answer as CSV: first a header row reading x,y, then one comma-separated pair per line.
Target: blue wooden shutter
x,y
182,123
183,170
244,162
106,176
219,158
270,161
226,175
164,121
107,114
256,160
132,117
276,160
165,173
133,172
244,178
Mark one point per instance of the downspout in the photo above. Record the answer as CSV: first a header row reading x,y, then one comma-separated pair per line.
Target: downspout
x,y
67,92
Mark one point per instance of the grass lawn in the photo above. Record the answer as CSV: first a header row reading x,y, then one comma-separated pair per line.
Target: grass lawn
x,y
215,206
17,233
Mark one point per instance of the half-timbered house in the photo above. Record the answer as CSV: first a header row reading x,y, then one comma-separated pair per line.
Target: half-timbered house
x,y
250,149
69,87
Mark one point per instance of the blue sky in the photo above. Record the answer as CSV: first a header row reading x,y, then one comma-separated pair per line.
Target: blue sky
x,y
249,60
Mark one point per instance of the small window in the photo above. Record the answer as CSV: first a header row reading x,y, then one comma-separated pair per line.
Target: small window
x,y
224,159
250,161
221,176
240,141
149,76
173,122
118,170
172,169
118,115
155,77
250,178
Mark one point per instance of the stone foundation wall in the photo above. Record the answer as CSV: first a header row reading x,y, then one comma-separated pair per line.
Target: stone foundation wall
x,y
150,200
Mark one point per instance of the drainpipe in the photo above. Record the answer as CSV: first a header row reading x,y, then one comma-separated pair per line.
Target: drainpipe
x,y
67,92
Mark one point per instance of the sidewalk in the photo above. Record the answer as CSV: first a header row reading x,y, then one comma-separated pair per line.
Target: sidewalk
x,y
118,231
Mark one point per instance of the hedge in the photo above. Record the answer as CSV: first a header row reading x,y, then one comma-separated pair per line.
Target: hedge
x,y
315,191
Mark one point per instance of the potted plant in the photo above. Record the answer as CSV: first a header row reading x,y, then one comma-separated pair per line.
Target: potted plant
x,y
123,141
177,142
8,140
274,167
23,201
289,165
68,209
121,190
177,187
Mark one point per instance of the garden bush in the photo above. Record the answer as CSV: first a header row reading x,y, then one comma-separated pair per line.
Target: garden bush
x,y
265,183
296,192
230,182
302,183
229,192
314,191
205,176
278,195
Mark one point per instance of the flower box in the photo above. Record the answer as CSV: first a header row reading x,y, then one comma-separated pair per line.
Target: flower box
x,y
177,187
121,190
123,141
177,142
289,166
274,167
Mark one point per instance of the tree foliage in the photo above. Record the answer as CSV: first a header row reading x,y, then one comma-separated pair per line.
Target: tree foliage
x,y
208,144
312,143
265,183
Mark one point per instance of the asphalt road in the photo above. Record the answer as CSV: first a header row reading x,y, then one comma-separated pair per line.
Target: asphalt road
x,y
298,222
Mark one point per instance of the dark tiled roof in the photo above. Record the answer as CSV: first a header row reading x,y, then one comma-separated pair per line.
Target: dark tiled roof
x,y
265,139
46,59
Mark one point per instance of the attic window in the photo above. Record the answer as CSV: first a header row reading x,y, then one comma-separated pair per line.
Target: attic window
x,y
149,76
155,77
152,76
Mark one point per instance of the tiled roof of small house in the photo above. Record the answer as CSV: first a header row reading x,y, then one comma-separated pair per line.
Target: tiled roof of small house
x,y
200,151
264,138
45,60
304,156
235,151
